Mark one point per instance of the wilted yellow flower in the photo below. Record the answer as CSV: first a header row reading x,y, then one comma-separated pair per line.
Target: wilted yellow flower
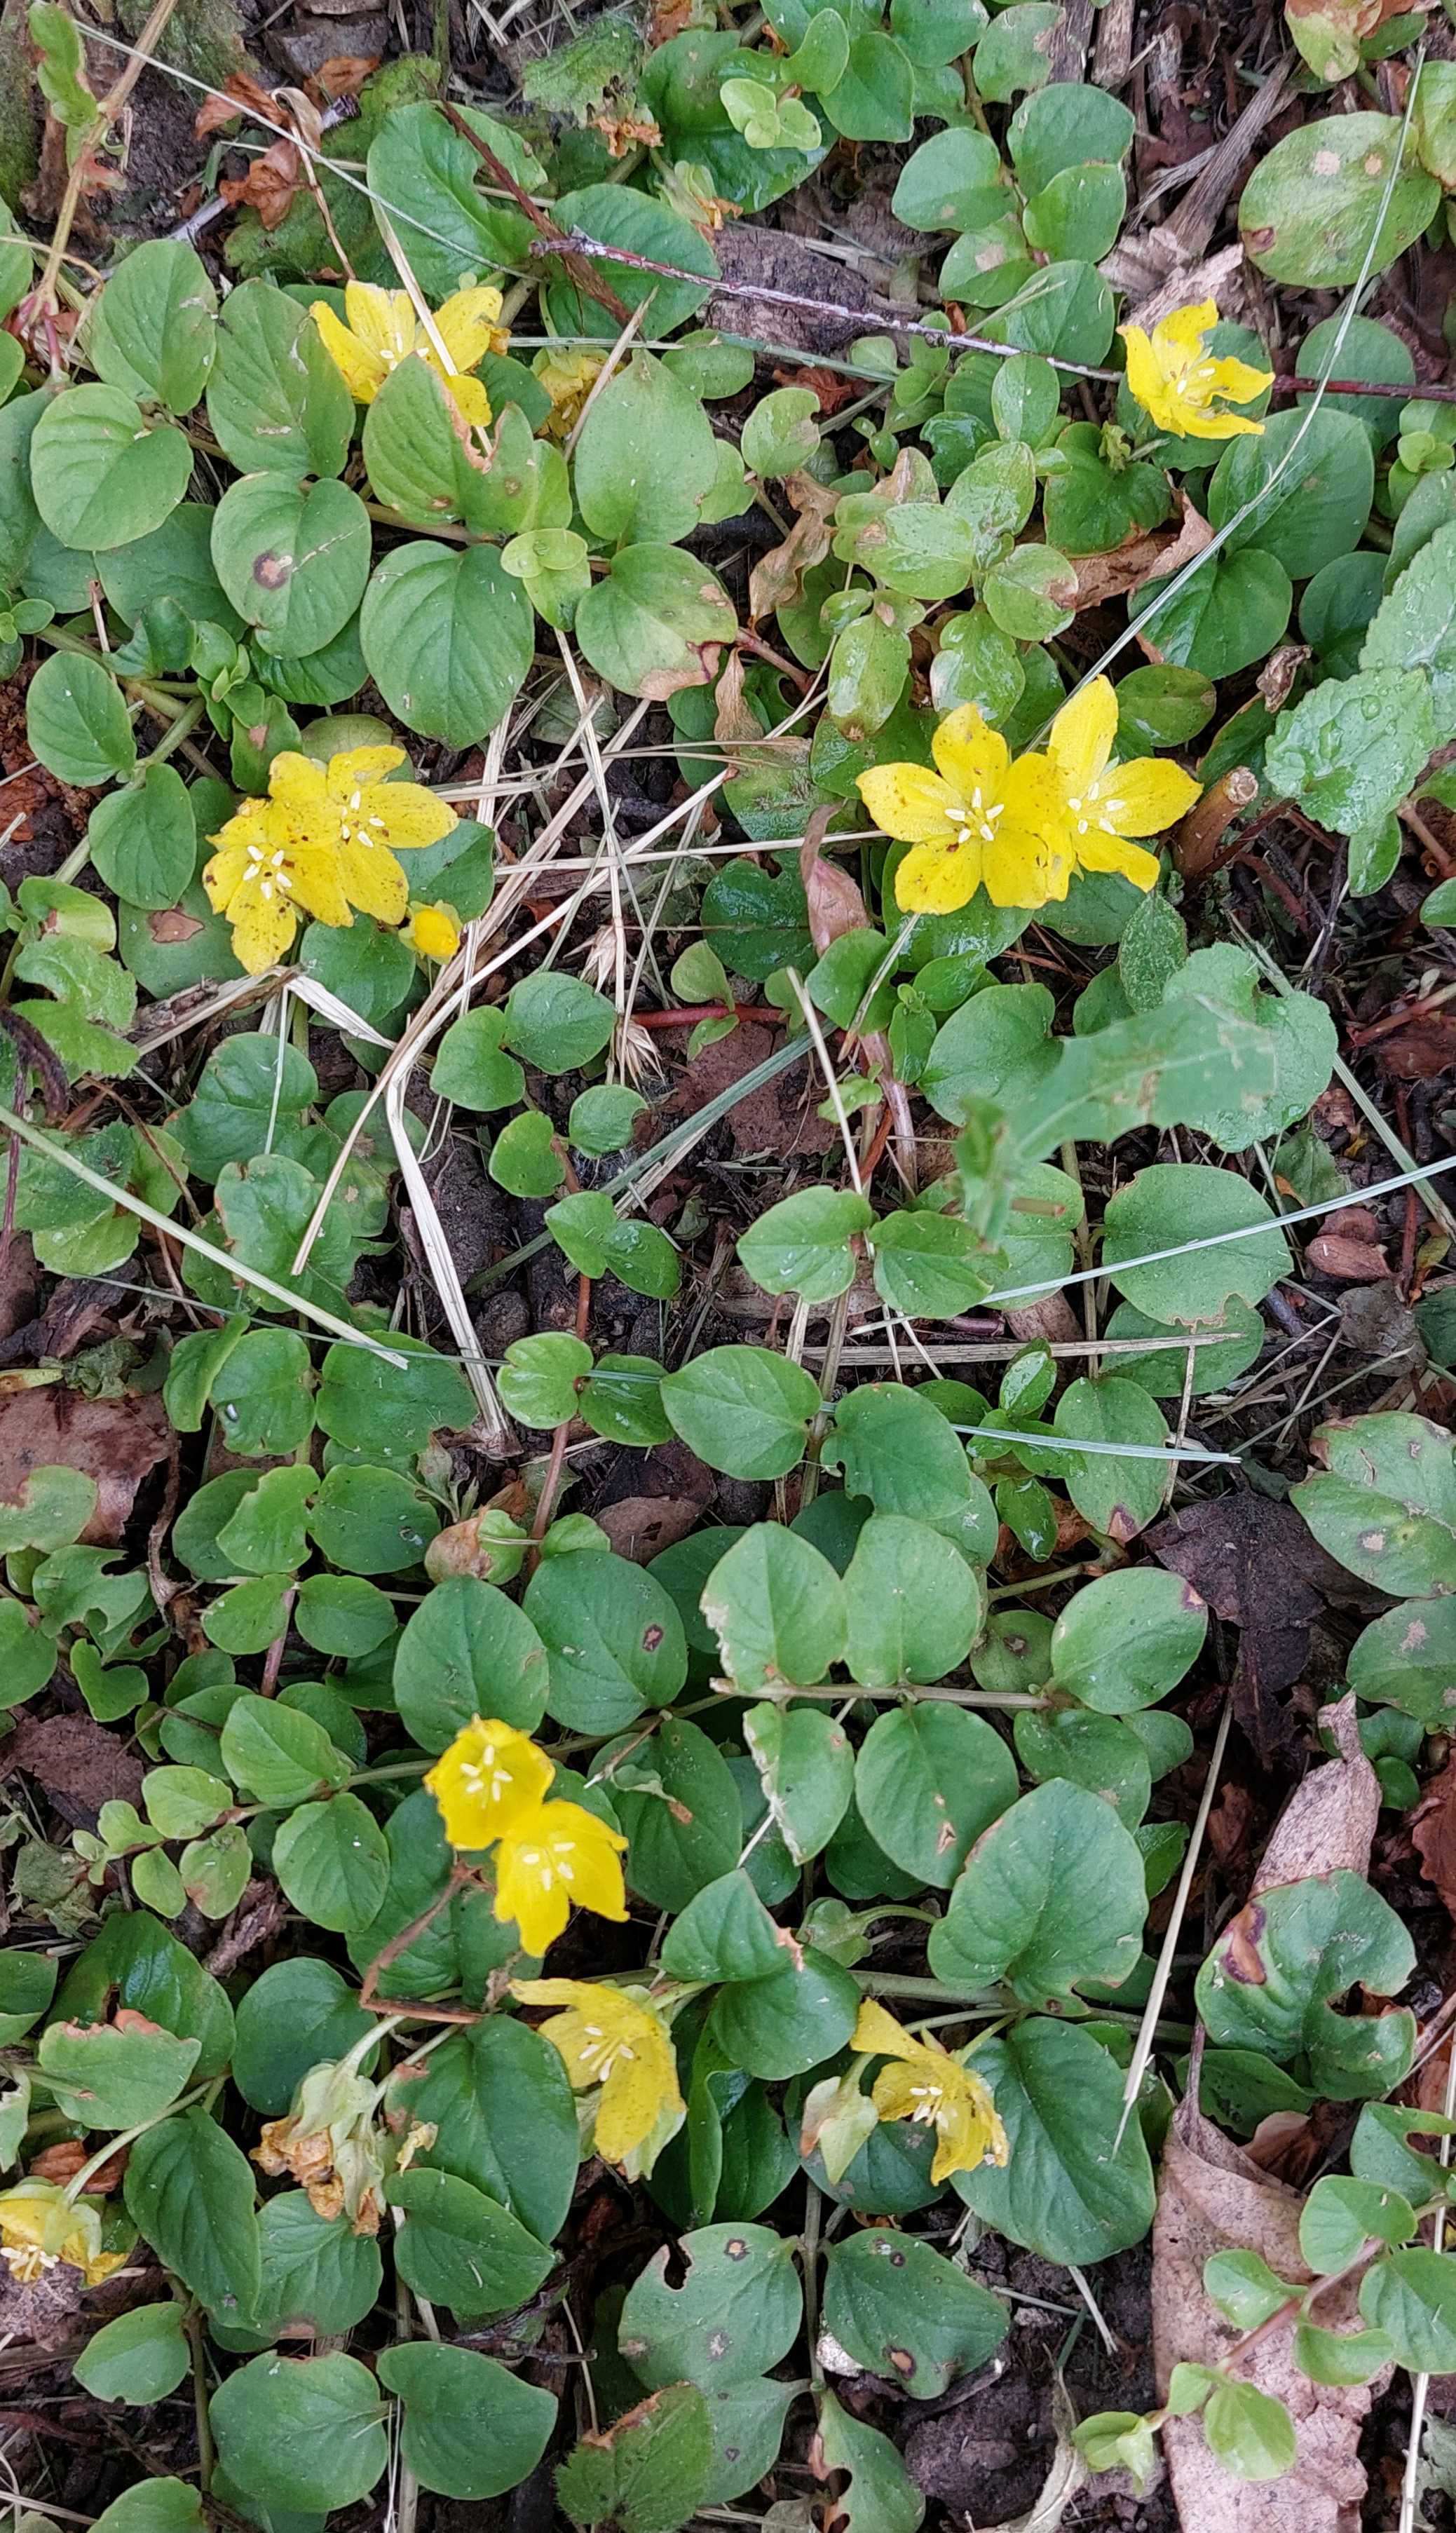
x,y
384,330
611,2036
323,842
1176,381
491,1776
1108,803
328,2145
925,2083
39,2225
568,378
433,932
983,819
552,1858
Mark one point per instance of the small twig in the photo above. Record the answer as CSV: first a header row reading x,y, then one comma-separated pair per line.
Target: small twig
x,y
549,239
390,1954
876,320
1197,842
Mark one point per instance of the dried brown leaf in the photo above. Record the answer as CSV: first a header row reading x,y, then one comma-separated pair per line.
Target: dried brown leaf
x,y
115,1440
269,186
78,1762
1433,1834
241,93
835,906
1259,1570
1213,2198
1152,557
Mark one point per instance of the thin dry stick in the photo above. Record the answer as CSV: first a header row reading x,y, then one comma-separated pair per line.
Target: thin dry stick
x,y
1420,2389
1146,2029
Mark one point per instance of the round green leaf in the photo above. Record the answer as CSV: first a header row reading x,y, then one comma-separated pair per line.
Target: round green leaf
x,y
471,2428
144,841
468,1651
777,1606
139,2358
905,2312
292,560
1053,1895
1310,210
153,331
76,722
612,1637
275,401
449,639
332,1860
913,1607
1174,1204
742,1409
1128,1638
101,477
929,1780
300,2432
1065,2190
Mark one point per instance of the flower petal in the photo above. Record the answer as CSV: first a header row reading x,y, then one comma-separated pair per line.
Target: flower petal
x,y
936,879
224,874
1096,852
404,815
1181,332
1240,380
1080,739
298,784
354,766
1141,797
639,2092
908,802
970,753
1147,383
372,880
877,2033
263,927
467,323
1207,423
382,321
469,396
1033,849
362,369
314,883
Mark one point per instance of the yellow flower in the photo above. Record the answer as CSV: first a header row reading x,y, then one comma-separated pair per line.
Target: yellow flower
x,y
39,2225
1176,381
982,820
489,1777
320,843
926,2083
433,932
1105,802
612,2037
568,378
549,1857
383,330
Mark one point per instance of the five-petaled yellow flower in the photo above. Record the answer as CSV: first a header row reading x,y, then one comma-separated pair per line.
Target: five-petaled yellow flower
x,y
1177,381
610,2036
552,1858
490,1778
1108,803
926,2083
983,819
433,930
384,330
39,2225
323,843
